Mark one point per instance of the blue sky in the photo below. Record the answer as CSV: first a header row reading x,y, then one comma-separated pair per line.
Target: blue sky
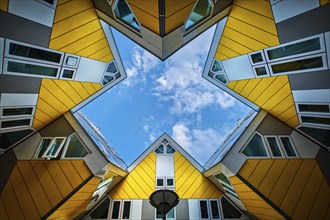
x,y
169,96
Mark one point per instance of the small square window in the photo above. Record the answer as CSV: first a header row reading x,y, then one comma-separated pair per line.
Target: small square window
x,y
261,71
71,61
67,74
256,58
160,182
160,150
169,182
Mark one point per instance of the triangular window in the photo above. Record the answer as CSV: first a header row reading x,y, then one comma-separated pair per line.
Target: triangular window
x,y
228,210
160,150
169,149
74,148
101,212
255,147
201,11
125,14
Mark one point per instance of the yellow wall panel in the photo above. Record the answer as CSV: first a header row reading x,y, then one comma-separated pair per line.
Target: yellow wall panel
x,y
250,86
51,99
60,2
134,186
288,114
58,92
232,84
248,168
322,202
278,97
259,172
146,20
220,56
177,19
43,117
71,8
82,168
100,54
37,124
4,5
237,47
107,58
150,8
279,109
174,6
88,87
293,122
324,2
228,52
79,88
261,7
89,50
262,86
240,85
70,172
52,112
3,212
11,202
67,89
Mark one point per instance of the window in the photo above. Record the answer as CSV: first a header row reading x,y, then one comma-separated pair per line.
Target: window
x,y
74,148
255,147
222,78
215,209
315,120
123,12
169,215
15,111
115,210
257,58
101,211
126,210
168,149
169,182
288,147
201,11
160,182
67,73
203,209
226,185
217,72
317,108
165,181
110,74
44,143
16,123
9,138
222,178
320,135
274,146
54,147
217,67
261,71
121,210
71,61
229,211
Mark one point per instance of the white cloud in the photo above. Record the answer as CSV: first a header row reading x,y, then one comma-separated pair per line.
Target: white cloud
x,y
201,144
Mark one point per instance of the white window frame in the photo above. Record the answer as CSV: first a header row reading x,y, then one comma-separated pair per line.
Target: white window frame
x,y
278,144
222,216
195,26
92,210
165,149
322,49
67,55
258,63
174,208
121,208
225,185
34,61
210,208
16,119
58,150
219,72
165,186
123,23
5,68
16,116
312,103
315,116
214,60
261,76
265,145
207,208
67,141
35,157
322,55
109,74
164,182
292,144
66,68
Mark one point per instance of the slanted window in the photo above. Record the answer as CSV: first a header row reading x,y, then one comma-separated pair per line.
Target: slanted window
x,y
125,14
54,147
319,108
115,210
101,211
214,209
16,123
226,185
126,210
44,143
121,209
14,111
302,65
288,147
221,177
110,74
74,148
203,208
274,146
160,150
217,67
229,210
315,120
201,11
217,72
320,135
169,149
255,147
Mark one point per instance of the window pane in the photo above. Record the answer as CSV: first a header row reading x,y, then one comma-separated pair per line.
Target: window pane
x,y
31,69
127,209
293,49
15,123
34,53
321,135
303,64
17,111
229,211
315,120
55,146
169,149
107,79
170,214
222,78
215,209
223,178
160,149
124,13
101,212
42,147
288,147
255,147
201,11
160,182
9,138
313,108
115,210
170,182
256,58
68,74
203,209
111,68
216,66
75,148
274,147
261,71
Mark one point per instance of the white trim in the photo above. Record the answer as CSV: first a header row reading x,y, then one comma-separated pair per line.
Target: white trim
x,y
32,59
5,66
67,141
220,71
262,55
66,68
16,119
16,116
218,206
255,71
37,150
207,208
174,210
312,112
2,48
278,145
54,155
293,146
315,116
121,208
322,48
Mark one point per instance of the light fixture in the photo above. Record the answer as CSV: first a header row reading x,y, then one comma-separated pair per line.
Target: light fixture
x,y
164,200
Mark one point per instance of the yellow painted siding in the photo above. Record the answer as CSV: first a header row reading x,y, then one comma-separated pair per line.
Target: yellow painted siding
x,y
77,30
190,183
4,5
78,202
36,186
293,185
272,94
252,202
59,96
324,2
250,27
139,183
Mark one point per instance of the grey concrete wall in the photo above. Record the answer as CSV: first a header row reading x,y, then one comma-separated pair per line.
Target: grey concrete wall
x,y
59,128
272,126
19,84
148,212
182,210
312,80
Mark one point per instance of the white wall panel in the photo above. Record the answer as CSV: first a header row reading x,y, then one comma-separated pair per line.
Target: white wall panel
x,y
33,11
90,70
311,96
193,209
136,209
289,8
165,166
327,45
18,99
238,68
